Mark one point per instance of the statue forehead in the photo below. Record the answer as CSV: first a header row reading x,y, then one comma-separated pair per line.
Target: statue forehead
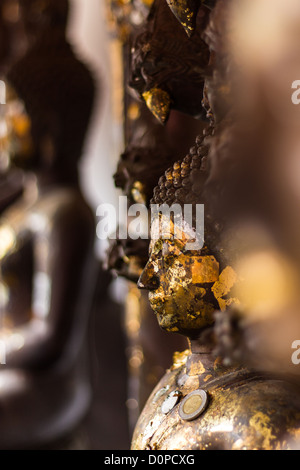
x,y
178,232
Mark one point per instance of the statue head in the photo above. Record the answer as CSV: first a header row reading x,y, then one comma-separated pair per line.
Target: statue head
x,y
186,285
10,39
167,67
53,99
43,17
138,172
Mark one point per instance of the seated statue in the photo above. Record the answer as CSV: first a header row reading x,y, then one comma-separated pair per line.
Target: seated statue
x,y
202,403
46,250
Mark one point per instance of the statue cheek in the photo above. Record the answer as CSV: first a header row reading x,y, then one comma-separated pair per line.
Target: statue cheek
x,y
205,314
197,315
189,304
177,278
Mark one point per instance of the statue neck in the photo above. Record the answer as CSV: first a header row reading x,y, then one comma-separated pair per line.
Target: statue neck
x,y
201,345
203,368
201,358
36,184
49,180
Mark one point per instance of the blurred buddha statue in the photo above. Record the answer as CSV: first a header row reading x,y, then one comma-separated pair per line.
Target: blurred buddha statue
x,y
255,159
201,403
22,22
41,17
46,249
12,46
12,40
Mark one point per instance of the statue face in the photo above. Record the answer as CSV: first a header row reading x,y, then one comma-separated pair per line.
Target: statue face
x,y
39,16
186,287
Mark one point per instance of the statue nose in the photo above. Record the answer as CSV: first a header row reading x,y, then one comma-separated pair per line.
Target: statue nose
x,y
148,279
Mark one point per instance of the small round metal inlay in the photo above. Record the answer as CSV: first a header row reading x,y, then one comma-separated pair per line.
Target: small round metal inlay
x,y
160,393
193,405
171,401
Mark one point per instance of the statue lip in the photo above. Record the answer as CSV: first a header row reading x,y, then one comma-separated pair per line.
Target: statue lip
x,y
158,300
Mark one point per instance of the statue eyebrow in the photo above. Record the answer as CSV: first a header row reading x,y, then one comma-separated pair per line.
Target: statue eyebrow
x,y
155,246
179,243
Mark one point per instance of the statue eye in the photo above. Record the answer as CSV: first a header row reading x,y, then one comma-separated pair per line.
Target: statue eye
x,y
167,261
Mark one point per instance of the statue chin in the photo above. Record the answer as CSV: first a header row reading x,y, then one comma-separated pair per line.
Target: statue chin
x,y
167,322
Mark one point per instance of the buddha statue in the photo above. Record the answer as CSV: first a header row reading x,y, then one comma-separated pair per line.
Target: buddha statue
x,y
201,402
22,22
167,67
11,48
46,254
42,19
150,149
11,34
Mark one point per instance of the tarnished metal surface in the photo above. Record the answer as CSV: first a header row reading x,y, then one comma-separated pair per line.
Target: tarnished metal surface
x,y
244,411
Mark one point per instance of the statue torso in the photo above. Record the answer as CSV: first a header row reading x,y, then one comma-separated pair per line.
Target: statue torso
x,y
31,232
52,395
244,411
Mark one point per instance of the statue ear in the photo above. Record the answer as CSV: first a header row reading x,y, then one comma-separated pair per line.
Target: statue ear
x,y
186,13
